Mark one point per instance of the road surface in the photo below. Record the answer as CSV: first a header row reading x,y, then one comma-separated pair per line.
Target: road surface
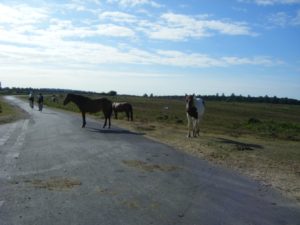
x,y
53,172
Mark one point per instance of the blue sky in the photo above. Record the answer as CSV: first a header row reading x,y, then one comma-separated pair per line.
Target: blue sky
x,y
248,47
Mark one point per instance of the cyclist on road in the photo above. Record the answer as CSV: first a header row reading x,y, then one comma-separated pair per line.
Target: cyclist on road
x,y
31,99
40,101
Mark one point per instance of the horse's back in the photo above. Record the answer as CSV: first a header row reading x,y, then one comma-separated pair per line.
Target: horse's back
x,y
105,102
102,100
199,103
116,104
121,105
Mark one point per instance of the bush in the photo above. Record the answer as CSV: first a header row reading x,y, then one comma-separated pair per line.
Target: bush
x,y
253,121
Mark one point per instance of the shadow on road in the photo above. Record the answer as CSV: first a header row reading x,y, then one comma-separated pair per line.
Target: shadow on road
x,y
112,131
240,145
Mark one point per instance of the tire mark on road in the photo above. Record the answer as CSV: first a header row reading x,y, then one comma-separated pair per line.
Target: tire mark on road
x,y
21,137
14,152
7,135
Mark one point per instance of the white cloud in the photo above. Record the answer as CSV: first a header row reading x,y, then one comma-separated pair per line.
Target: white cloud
x,y
279,19
64,43
21,14
296,20
134,3
180,27
283,19
115,31
271,2
176,58
118,17
70,53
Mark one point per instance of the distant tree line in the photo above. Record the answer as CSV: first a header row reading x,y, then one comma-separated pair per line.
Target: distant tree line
x,y
46,91
240,98
216,97
260,99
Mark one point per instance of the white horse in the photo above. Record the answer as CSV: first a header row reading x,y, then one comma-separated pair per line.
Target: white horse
x,y
194,111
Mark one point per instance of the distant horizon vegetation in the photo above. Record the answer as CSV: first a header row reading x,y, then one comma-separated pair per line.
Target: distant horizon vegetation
x,y
217,97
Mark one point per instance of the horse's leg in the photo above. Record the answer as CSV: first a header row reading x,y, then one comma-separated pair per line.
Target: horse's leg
x,y
104,125
83,119
116,114
195,127
198,124
127,114
107,116
131,115
189,126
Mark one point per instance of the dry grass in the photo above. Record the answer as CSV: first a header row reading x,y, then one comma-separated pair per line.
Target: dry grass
x,y
54,184
9,113
144,166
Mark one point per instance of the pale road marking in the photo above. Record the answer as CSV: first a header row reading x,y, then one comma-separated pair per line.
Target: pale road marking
x,y
21,137
14,153
11,129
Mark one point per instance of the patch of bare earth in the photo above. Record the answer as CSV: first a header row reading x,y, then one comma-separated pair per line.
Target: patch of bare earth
x,y
54,184
148,167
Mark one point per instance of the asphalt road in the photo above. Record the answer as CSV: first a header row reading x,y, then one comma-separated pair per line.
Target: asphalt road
x,y
53,172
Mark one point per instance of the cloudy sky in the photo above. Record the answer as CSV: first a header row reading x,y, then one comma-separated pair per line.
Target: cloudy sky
x,y
153,46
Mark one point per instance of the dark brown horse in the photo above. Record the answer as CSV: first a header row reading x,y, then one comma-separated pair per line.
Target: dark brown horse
x,y
86,104
123,107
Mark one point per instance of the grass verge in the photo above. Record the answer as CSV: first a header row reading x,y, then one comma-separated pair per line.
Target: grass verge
x,y
9,113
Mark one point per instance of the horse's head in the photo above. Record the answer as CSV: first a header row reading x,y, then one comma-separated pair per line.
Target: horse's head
x,y
67,99
189,100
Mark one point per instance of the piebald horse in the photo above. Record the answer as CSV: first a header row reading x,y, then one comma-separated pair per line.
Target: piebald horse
x,y
123,107
195,108
87,105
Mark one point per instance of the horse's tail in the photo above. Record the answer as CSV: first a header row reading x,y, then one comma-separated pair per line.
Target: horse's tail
x,y
110,111
131,113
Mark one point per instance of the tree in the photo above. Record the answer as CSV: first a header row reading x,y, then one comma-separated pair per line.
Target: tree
x,y
112,93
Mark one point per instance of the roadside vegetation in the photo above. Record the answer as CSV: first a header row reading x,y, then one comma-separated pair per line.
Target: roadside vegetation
x,y
9,113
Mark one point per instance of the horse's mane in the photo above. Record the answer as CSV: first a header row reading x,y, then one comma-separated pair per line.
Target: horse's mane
x,y
79,96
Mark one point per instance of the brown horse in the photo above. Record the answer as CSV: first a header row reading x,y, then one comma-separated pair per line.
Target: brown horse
x,y
123,107
86,104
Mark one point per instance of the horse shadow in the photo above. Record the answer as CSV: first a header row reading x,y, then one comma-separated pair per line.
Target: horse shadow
x,y
240,145
112,131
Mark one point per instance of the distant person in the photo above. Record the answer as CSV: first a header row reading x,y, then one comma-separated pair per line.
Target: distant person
x,y
40,101
54,99
31,99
